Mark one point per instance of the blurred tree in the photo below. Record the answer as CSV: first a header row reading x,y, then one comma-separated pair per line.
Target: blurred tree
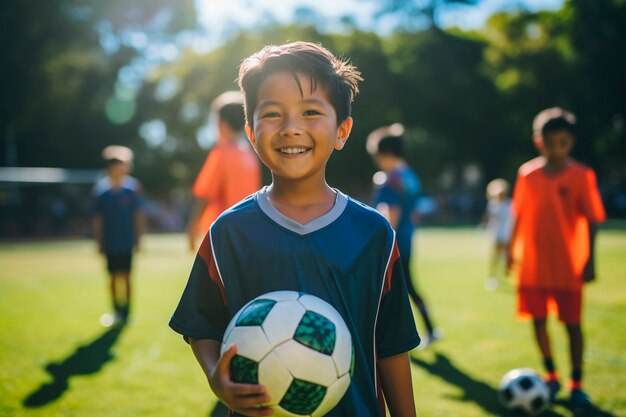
x,y
62,61
81,75
445,94
574,58
417,14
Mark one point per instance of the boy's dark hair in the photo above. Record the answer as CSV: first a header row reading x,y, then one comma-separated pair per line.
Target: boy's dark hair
x,y
337,77
112,161
553,119
386,140
391,145
228,107
233,115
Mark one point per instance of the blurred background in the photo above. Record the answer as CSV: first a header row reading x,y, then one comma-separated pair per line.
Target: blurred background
x,y
466,77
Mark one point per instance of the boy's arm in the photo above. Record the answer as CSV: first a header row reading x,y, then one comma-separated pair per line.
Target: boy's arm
x,y
245,399
395,375
140,227
96,226
509,252
589,271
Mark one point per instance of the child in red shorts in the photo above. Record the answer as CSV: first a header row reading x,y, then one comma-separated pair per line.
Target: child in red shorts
x,y
557,207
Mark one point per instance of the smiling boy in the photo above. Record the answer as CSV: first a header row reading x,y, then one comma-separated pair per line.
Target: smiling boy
x,y
300,234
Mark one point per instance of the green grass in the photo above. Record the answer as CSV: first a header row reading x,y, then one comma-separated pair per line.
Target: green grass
x,y
56,360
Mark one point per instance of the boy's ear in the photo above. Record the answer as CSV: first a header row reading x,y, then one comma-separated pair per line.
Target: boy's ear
x,y
343,132
250,135
538,142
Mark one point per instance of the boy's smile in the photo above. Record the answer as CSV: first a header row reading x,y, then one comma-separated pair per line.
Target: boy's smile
x,y
295,130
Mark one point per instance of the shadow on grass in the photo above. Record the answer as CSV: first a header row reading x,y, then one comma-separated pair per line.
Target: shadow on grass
x,y
584,411
474,390
87,359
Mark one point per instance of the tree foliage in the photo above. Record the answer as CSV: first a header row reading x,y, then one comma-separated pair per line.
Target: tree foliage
x,y
466,97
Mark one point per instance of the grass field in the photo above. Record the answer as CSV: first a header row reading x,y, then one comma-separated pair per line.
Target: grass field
x,y
56,360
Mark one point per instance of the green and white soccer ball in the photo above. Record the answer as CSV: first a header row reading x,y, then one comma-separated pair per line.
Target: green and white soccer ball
x,y
297,346
522,389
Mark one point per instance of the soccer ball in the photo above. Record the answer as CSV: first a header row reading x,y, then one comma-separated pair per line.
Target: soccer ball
x,y
522,389
297,346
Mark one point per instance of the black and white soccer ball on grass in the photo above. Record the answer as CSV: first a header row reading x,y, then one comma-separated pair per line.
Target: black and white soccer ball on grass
x,y
297,346
523,390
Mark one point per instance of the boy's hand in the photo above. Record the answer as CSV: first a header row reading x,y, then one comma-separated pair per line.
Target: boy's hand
x,y
246,399
589,271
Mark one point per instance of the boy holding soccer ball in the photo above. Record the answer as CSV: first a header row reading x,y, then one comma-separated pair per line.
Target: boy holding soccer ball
x,y
300,234
557,206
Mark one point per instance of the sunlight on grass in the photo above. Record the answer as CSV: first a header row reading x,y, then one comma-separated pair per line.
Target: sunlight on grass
x,y
58,361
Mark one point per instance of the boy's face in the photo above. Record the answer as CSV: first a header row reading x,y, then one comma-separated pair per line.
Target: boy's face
x,y
294,134
557,145
117,169
384,161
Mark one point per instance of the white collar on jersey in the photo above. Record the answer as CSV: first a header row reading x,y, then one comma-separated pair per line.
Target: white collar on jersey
x,y
341,201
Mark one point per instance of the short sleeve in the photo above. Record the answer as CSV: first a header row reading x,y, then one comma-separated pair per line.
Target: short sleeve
x,y
97,206
592,207
386,194
395,327
202,312
140,197
519,194
207,185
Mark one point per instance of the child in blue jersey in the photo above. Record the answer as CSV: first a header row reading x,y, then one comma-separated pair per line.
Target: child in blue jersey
x,y
396,194
301,234
118,224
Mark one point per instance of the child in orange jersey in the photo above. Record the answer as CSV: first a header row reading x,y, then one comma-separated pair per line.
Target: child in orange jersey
x,y
231,171
557,207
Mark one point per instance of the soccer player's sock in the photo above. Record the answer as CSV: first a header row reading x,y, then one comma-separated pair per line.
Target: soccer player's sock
x,y
551,374
576,382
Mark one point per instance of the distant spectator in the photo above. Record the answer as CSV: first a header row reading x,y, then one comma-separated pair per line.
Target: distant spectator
x,y
497,219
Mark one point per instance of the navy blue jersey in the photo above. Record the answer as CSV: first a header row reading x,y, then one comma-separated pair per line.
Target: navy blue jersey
x,y
401,188
347,257
118,206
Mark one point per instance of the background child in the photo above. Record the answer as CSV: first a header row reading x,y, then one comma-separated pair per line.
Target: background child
x,y
557,206
118,224
397,191
497,220
230,172
301,234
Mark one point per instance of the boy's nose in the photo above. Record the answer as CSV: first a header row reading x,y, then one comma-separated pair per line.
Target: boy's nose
x,y
290,127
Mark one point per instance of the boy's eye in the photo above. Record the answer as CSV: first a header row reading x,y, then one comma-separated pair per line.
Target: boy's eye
x,y
270,114
311,112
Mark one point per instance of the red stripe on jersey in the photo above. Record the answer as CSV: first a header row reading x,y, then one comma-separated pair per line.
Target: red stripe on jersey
x,y
395,256
206,253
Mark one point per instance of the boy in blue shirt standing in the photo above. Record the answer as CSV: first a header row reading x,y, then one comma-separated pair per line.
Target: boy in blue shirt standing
x,y
396,194
118,224
300,234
